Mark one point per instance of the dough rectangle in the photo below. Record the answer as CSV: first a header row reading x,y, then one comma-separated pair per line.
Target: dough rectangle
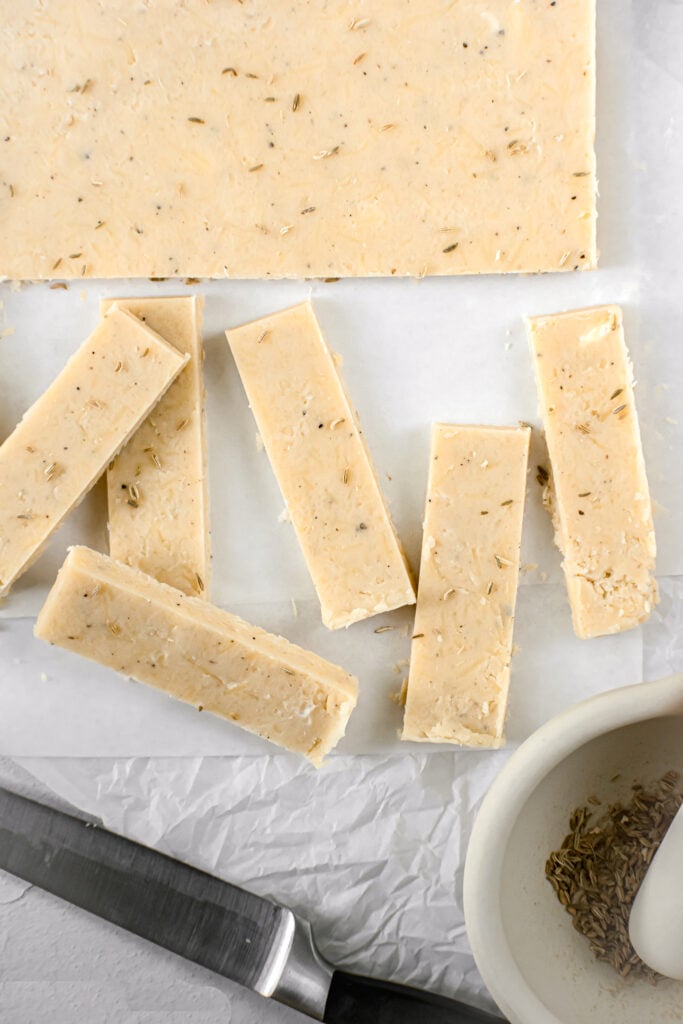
x,y
314,139
462,642
69,435
166,535
318,453
193,651
597,491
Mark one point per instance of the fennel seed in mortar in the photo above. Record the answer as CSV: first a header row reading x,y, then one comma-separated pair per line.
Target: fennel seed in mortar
x,y
598,870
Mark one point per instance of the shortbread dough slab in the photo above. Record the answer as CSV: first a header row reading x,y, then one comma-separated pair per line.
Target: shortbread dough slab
x,y
271,139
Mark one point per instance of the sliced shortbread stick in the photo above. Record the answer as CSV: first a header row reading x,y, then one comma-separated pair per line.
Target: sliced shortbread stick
x,y
122,618
319,456
166,532
462,643
67,438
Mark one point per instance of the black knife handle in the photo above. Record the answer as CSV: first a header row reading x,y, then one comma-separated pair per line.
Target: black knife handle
x,y
356,1000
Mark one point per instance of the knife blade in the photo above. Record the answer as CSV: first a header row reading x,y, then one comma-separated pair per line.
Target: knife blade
x,y
245,938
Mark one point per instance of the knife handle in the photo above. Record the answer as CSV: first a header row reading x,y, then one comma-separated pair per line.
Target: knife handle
x,y
356,1000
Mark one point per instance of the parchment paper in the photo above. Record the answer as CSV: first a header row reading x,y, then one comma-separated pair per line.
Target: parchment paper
x,y
414,351
370,848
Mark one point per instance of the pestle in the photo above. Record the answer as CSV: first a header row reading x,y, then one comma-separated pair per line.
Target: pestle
x,y
656,921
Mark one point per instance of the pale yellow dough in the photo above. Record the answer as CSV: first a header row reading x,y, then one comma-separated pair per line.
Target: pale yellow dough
x,y
313,438
195,652
66,439
598,491
166,532
462,643
279,139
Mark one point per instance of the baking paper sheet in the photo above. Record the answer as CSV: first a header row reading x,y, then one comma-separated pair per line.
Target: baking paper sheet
x,y
370,848
380,878
413,351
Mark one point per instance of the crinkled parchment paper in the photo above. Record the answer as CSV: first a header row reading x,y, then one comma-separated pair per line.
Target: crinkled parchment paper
x,y
371,849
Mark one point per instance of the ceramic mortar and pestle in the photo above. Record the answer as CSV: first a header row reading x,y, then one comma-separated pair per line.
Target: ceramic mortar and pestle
x,y
539,969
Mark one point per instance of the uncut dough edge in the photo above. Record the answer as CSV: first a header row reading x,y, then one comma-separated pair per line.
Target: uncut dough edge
x,y
350,176
88,408
591,617
187,564
453,497
301,320
318,697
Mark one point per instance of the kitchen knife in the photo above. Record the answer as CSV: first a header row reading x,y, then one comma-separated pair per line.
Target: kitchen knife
x,y
243,937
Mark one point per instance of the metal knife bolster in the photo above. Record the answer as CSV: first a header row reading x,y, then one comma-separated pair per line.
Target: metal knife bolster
x,y
305,979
